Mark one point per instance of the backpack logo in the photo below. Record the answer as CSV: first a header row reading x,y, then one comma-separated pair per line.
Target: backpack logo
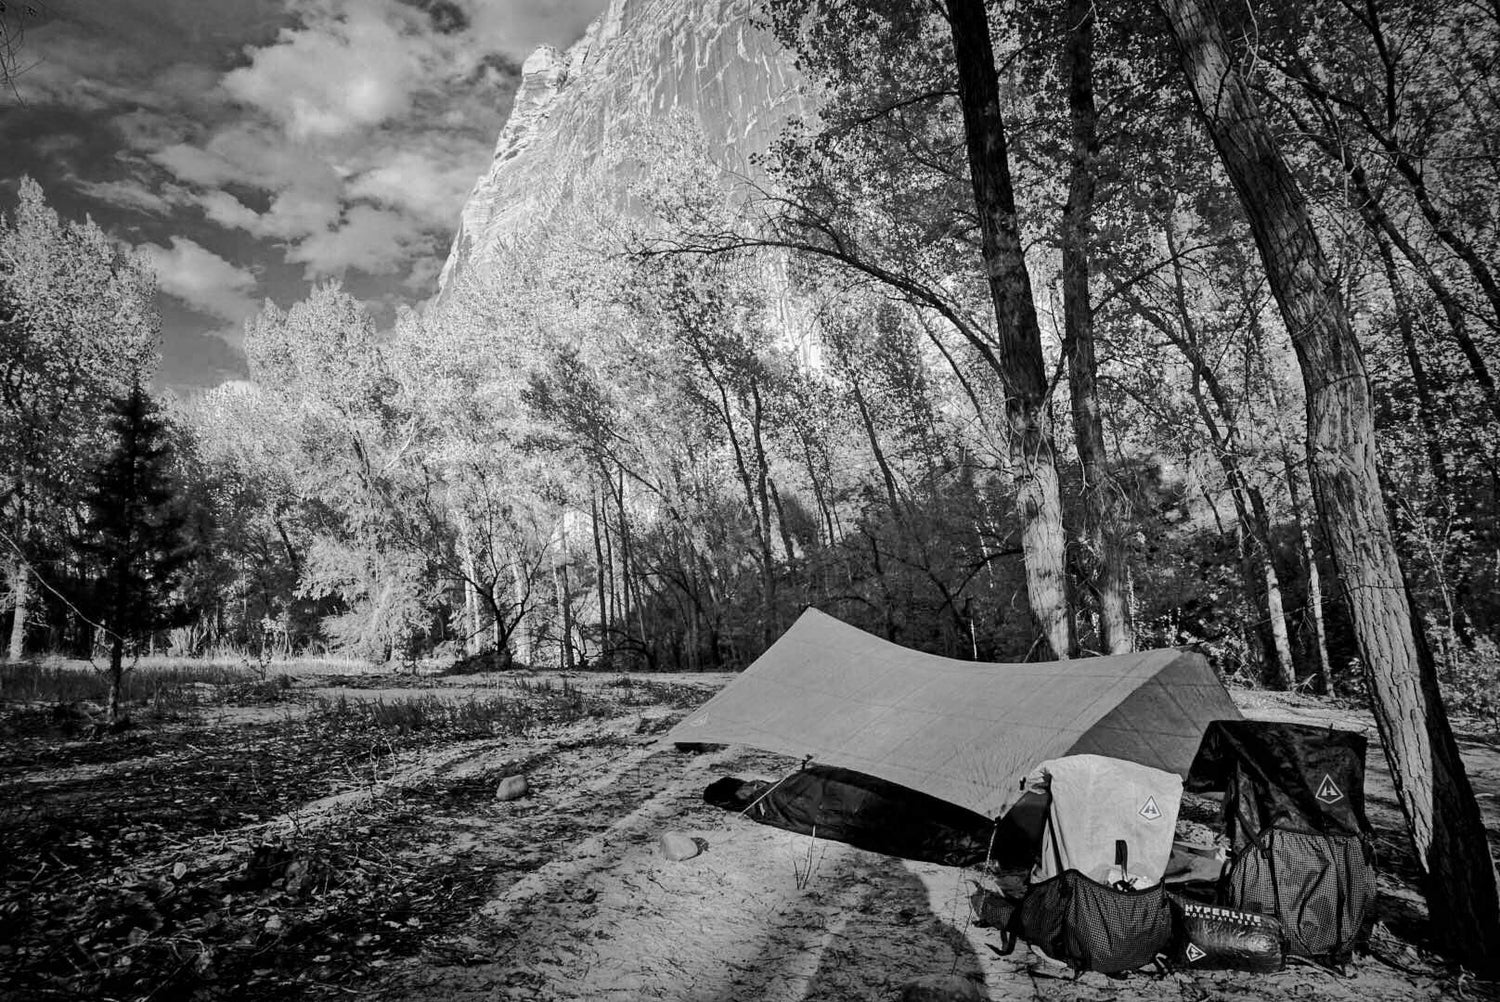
x,y
1149,810
1194,954
1328,791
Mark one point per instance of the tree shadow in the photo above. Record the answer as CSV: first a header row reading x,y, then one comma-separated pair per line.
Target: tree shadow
x,y
892,936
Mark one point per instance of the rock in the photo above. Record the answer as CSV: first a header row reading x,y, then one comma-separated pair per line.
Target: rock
x,y
640,61
511,788
677,847
942,988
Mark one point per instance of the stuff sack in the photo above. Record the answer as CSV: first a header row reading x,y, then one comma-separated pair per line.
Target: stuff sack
x,y
1319,886
1210,938
1095,927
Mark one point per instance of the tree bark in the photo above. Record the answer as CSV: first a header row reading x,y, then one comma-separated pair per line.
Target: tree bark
x,y
116,676
1431,783
1021,369
599,566
20,587
1108,572
471,627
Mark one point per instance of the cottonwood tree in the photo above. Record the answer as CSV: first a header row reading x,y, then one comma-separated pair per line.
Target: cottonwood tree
x,y
1431,783
77,324
357,445
467,360
249,459
1393,111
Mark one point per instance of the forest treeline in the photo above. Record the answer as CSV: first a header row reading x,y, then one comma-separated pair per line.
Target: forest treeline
x,y
651,431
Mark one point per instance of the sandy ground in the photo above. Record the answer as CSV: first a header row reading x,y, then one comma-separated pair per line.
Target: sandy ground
x,y
767,916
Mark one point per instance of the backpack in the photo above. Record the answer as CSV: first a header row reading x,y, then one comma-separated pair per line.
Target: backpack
x,y
1097,901
1294,812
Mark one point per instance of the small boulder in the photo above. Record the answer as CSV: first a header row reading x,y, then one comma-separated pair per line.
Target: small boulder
x,y
677,847
942,988
511,788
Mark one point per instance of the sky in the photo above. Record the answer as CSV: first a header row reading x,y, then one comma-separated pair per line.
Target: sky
x,y
253,147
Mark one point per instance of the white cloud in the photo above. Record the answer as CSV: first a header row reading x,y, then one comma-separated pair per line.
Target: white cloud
x,y
371,240
202,279
127,194
516,27
340,72
430,185
365,125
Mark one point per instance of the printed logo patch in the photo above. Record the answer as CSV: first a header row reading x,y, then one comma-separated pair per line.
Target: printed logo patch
x,y
1149,810
1194,954
1328,790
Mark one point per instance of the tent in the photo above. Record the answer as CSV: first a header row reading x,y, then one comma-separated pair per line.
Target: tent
x,y
963,732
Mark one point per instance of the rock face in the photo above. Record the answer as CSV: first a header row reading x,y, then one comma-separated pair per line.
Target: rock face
x,y
641,59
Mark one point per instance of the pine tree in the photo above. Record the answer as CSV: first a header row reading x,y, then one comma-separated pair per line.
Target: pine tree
x,y
136,541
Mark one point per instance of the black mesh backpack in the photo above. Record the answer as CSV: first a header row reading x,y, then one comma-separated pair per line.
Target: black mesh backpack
x,y
1294,811
1098,902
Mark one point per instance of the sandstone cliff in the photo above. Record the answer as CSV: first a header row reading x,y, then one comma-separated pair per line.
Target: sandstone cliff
x,y
639,60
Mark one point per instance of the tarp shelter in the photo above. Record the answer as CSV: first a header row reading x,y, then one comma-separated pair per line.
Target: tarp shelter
x,y
964,732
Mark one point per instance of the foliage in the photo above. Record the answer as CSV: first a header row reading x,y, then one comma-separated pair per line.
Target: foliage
x,y
135,542
78,326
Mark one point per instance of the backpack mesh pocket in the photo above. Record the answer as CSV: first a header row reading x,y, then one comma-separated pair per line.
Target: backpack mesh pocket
x,y
1319,886
1094,927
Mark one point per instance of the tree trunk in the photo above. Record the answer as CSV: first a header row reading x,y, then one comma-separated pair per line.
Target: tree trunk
x,y
471,626
599,575
1310,569
1285,668
116,676
20,587
1033,456
1108,573
565,614
1431,783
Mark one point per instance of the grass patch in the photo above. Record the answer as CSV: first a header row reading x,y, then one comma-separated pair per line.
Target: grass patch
x,y
434,717
29,682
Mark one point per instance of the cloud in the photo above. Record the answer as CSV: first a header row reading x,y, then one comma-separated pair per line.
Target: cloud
x,y
126,194
343,70
292,215
374,241
429,185
519,26
202,279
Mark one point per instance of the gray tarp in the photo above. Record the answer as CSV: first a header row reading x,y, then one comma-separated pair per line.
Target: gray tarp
x,y
963,731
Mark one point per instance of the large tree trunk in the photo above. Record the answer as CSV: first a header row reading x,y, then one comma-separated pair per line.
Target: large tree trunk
x,y
1108,573
1431,784
1033,455
20,589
